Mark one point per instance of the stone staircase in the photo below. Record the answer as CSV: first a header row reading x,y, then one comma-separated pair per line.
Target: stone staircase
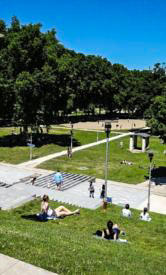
x,y
69,180
4,185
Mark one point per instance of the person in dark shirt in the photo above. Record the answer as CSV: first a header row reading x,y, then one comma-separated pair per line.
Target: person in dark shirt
x,y
91,190
102,194
110,233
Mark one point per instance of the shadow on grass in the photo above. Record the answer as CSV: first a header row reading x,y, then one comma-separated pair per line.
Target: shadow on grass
x,y
37,139
32,217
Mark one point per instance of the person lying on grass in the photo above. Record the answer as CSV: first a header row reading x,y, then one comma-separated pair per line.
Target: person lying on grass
x,y
59,212
110,233
126,162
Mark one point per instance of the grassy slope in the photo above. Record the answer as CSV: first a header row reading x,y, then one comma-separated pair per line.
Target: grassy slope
x,y
68,247
18,154
94,160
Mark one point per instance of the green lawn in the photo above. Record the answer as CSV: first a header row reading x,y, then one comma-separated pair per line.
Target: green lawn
x,y
13,152
93,159
67,246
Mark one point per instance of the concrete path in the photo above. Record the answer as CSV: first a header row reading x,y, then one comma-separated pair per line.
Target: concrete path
x,y
36,162
11,173
121,193
11,266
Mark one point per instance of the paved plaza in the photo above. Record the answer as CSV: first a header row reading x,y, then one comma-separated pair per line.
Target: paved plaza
x,y
23,191
10,174
11,266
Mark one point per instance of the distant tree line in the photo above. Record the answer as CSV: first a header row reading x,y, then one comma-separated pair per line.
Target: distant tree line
x,y
41,80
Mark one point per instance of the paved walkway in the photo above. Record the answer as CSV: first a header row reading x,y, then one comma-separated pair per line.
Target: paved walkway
x,y
36,162
121,193
11,266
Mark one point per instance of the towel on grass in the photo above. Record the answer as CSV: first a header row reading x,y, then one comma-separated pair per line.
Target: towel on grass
x,y
117,241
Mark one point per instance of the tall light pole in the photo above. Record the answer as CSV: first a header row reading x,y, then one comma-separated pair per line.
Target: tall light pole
x,y
71,136
150,156
31,146
107,131
97,139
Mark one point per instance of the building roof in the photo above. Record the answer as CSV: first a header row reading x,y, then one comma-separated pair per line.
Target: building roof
x,y
143,135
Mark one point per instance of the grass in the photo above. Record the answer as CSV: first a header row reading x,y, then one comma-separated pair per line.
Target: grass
x,y
93,160
67,246
11,151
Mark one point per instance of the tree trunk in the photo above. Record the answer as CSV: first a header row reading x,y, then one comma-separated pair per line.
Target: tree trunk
x,y
25,129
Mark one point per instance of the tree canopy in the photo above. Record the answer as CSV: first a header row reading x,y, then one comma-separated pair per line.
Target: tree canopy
x,y
40,80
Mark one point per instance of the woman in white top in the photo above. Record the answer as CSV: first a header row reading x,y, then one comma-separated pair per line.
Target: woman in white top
x,y
126,211
144,216
58,212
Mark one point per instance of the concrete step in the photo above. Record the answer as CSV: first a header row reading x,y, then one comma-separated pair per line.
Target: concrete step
x,y
69,180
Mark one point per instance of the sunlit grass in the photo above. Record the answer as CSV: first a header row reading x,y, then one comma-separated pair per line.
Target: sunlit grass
x,y
67,246
19,154
94,161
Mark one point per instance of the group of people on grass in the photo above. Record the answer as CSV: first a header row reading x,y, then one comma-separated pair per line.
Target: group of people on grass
x,y
144,216
112,231
126,212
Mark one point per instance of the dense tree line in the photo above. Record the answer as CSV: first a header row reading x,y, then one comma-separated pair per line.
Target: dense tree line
x,y
40,80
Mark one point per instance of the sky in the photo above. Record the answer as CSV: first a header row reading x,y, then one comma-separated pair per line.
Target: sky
x,y
128,32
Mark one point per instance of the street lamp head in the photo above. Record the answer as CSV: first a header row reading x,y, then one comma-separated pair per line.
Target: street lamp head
x,y
150,156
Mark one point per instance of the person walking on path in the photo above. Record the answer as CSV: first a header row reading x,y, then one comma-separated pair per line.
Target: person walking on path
x,y
69,152
58,179
102,196
91,190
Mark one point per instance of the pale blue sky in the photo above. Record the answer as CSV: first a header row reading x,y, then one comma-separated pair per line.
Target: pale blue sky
x,y
129,32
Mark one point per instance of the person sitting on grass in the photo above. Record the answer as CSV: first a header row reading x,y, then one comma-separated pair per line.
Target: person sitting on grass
x,y
144,216
110,233
126,211
59,212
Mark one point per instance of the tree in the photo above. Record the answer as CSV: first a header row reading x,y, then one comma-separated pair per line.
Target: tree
x,y
157,116
28,100
7,97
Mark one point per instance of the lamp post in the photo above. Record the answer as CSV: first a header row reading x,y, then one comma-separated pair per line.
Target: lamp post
x,y
107,131
31,145
71,136
97,139
150,156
